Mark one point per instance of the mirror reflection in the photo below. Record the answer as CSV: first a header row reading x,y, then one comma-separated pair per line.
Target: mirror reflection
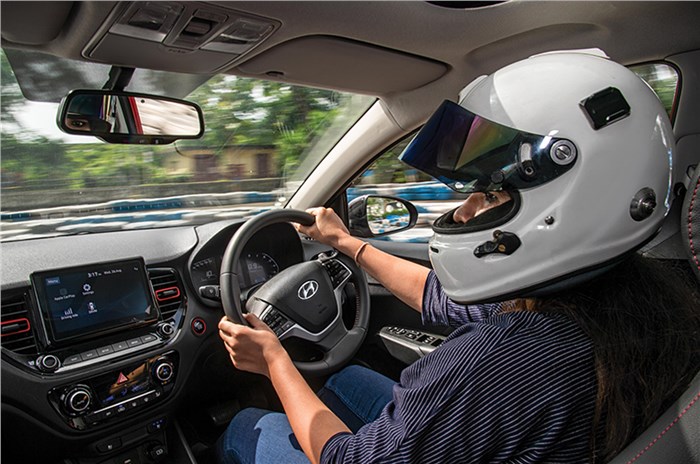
x,y
386,215
102,112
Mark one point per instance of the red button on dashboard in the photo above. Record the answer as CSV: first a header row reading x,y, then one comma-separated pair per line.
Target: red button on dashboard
x,y
198,326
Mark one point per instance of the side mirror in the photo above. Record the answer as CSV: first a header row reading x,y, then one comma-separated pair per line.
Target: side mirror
x,y
125,117
374,216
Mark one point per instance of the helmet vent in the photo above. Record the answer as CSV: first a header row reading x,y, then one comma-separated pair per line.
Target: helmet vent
x,y
605,107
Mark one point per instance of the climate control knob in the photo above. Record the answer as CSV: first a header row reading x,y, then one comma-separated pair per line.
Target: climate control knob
x,y
77,400
163,371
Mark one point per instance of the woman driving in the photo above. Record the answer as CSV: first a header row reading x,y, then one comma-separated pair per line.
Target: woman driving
x,y
566,344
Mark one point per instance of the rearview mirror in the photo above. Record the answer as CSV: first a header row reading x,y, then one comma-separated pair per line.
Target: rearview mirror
x,y
125,117
374,216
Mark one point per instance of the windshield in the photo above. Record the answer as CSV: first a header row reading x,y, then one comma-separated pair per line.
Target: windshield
x,y
262,139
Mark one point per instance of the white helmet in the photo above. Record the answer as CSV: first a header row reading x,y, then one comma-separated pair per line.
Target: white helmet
x,y
585,148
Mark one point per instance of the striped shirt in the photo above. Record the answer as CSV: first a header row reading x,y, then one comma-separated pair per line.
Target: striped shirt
x,y
513,387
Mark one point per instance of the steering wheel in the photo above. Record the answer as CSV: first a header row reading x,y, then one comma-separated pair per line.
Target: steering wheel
x,y
304,300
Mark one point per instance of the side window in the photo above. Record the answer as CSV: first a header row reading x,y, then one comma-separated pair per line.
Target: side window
x,y
389,176
663,79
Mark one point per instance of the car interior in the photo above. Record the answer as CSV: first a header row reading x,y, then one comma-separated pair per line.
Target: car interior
x,y
149,380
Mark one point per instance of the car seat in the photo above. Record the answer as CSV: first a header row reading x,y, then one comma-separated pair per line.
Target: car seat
x,y
675,436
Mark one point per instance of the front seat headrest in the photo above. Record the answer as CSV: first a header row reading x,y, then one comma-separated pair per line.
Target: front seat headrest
x,y
690,221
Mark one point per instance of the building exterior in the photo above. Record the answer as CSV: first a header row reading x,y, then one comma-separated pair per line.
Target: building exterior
x,y
231,162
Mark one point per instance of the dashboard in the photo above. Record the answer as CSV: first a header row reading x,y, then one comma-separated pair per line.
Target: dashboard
x,y
105,335
265,255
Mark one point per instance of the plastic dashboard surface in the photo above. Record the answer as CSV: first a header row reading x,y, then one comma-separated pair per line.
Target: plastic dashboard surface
x,y
36,400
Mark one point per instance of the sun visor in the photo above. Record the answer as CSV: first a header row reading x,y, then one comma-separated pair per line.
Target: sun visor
x,y
340,63
21,24
34,70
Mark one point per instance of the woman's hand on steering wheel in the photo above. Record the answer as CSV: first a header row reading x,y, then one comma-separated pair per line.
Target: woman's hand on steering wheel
x,y
252,349
328,228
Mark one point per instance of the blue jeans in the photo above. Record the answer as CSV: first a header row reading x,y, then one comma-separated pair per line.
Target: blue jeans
x,y
256,436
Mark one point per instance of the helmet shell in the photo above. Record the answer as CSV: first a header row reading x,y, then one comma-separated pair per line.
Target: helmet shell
x,y
589,204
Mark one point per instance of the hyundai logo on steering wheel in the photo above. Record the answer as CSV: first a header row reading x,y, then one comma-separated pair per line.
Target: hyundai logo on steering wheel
x,y
308,289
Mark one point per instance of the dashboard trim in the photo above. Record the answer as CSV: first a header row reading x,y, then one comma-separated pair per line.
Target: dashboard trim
x,y
22,258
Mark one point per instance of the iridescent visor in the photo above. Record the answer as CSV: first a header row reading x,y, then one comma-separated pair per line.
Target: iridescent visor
x,y
469,153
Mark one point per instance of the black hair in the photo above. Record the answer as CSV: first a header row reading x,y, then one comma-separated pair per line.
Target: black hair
x,y
643,318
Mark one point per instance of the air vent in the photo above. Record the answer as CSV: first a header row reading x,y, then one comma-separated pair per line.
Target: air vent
x,y
17,334
168,291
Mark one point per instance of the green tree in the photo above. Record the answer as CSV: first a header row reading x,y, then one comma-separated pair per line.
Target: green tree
x,y
28,159
246,111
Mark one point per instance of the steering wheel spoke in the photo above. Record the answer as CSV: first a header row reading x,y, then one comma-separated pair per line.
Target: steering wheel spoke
x,y
334,335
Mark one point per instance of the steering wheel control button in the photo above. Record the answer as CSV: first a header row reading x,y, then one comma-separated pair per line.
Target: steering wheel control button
x,y
276,321
286,326
199,327
48,363
337,271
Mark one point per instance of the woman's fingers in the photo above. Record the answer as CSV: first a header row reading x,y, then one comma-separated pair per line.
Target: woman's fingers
x,y
249,347
255,322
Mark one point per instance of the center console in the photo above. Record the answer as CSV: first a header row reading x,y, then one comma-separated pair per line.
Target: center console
x,y
118,393
101,320
81,303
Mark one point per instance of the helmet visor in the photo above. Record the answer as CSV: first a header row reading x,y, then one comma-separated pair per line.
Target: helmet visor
x,y
469,153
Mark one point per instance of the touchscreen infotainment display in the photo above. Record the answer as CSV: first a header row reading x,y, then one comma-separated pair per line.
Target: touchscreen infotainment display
x,y
81,301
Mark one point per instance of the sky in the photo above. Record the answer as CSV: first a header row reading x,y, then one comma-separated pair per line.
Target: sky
x,y
41,118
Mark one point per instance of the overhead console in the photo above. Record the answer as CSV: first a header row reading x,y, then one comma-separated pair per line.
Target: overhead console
x,y
208,37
